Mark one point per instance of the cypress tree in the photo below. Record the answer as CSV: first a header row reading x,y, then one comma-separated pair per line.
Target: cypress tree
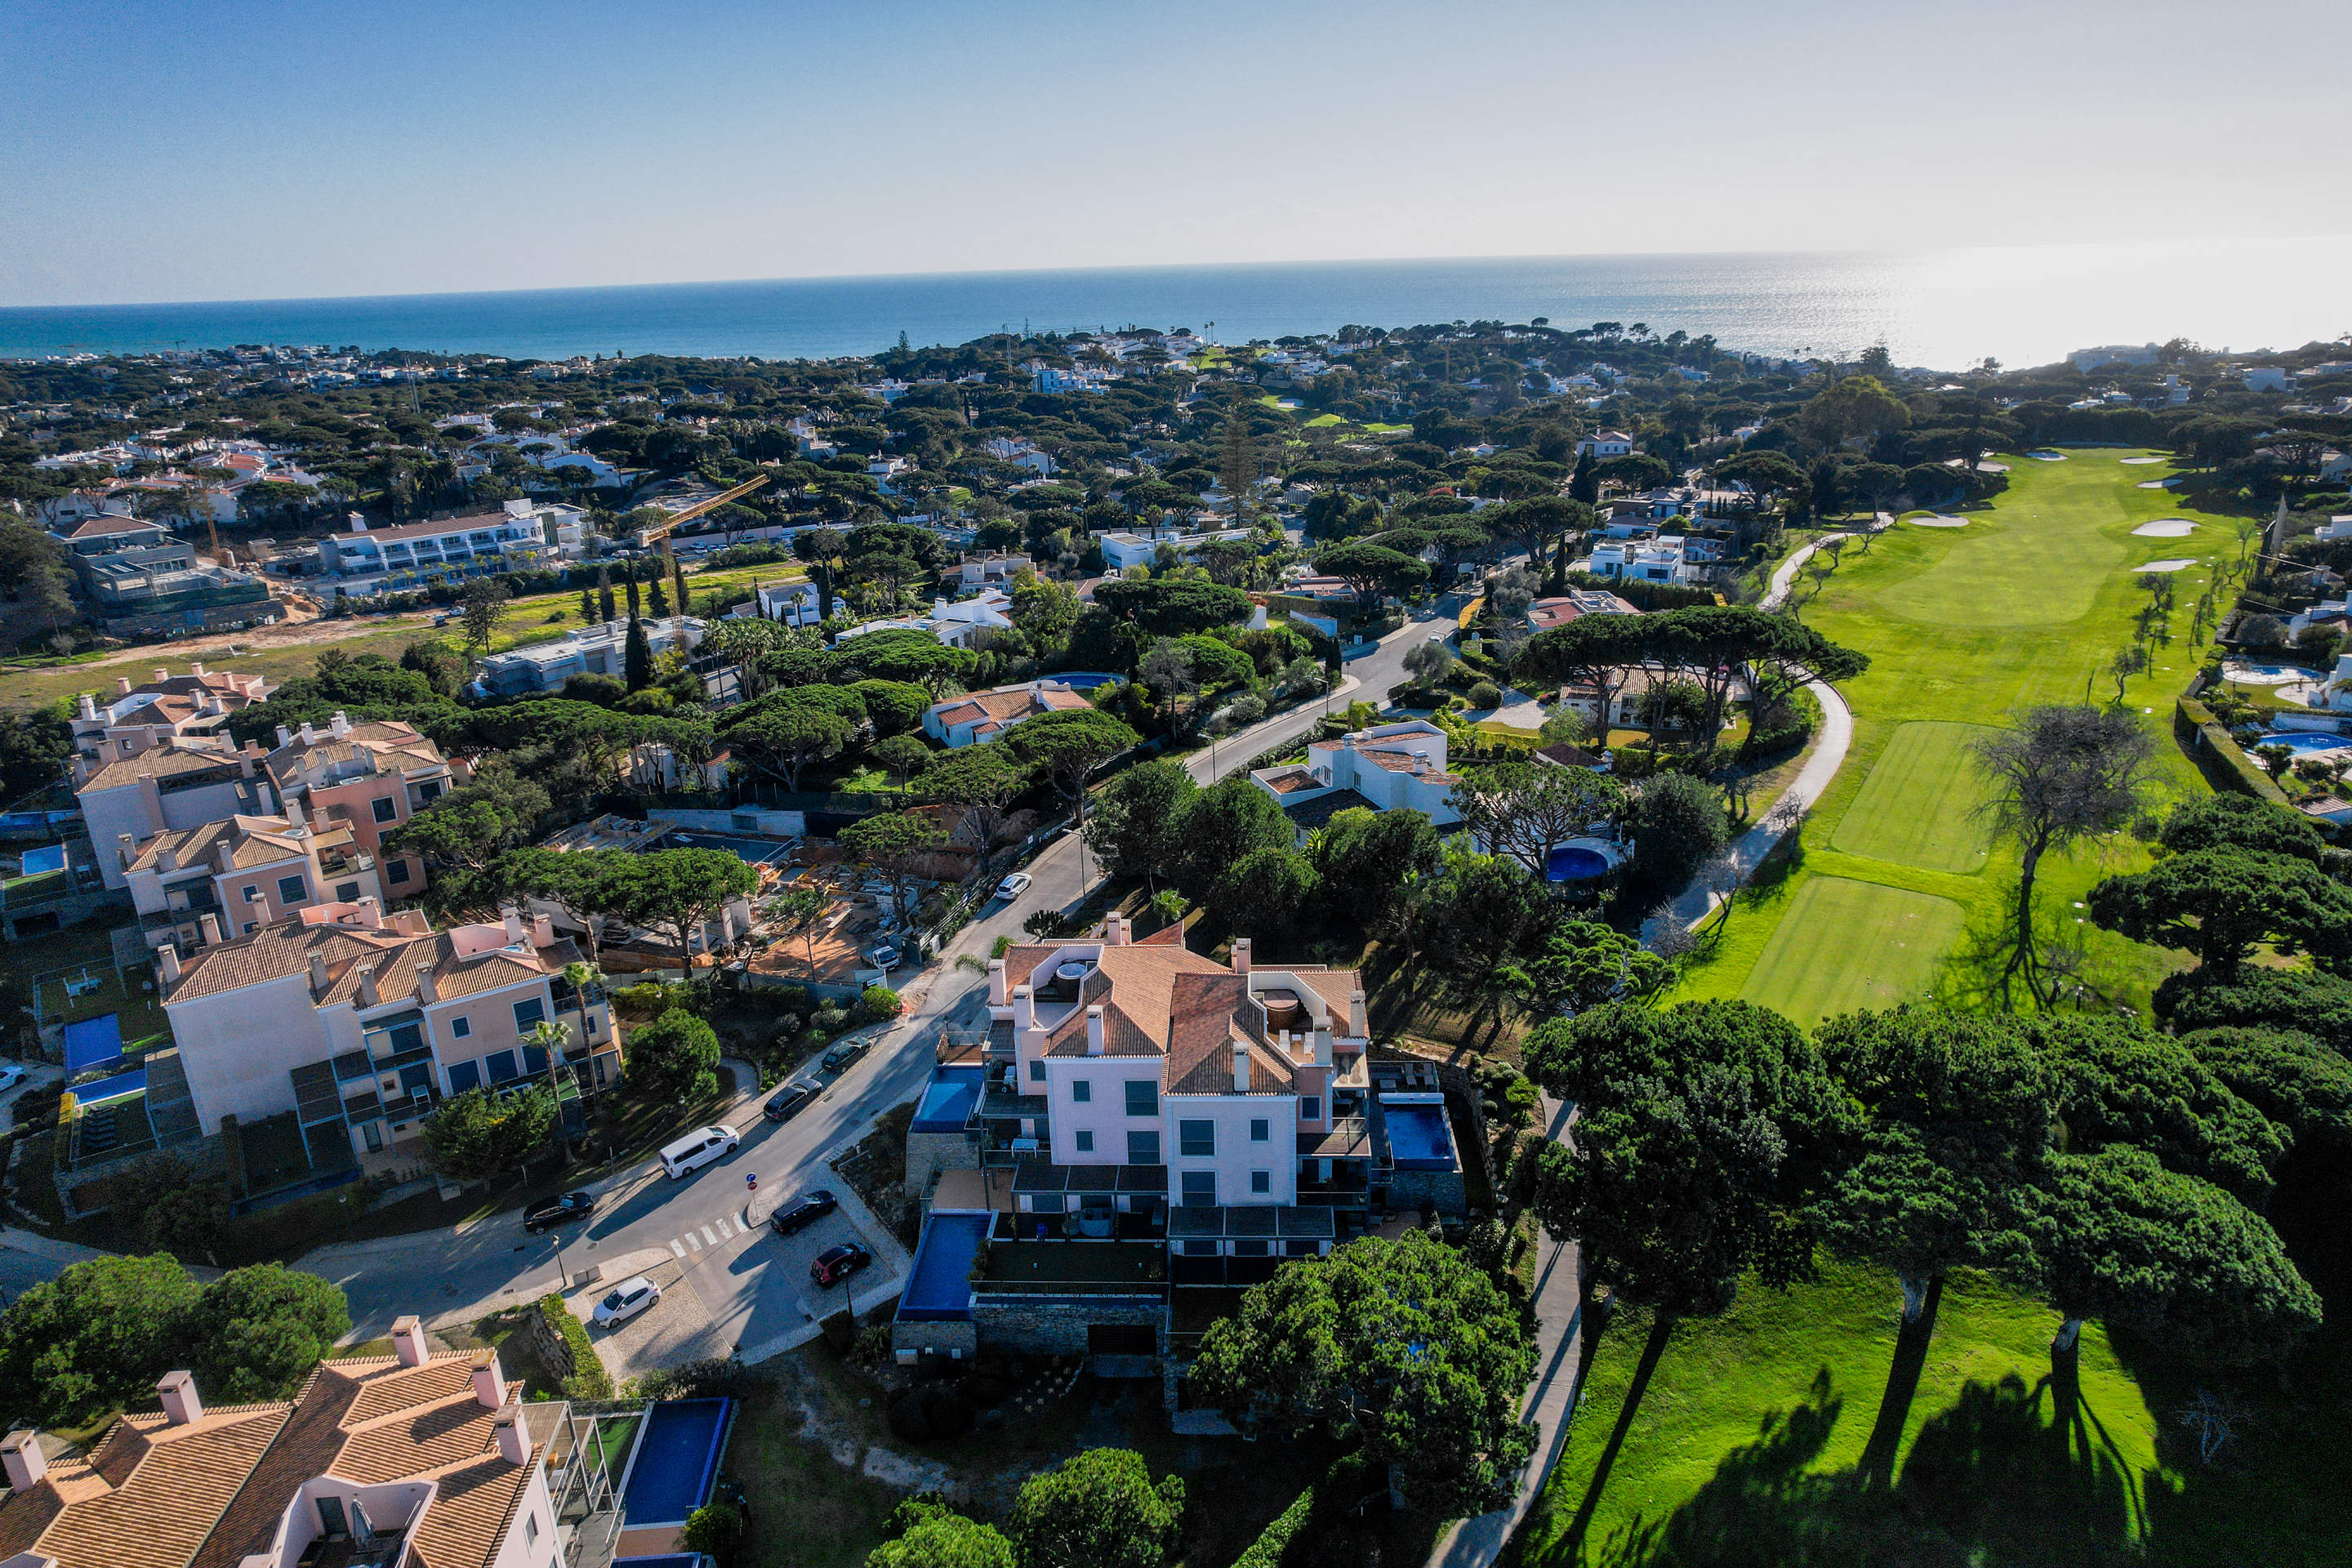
x,y
632,596
638,657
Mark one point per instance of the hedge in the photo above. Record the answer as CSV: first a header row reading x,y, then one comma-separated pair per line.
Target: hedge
x,y
1268,1549
1343,1486
589,1380
2222,760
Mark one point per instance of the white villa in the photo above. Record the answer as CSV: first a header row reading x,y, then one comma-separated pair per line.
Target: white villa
x,y
1383,768
1666,560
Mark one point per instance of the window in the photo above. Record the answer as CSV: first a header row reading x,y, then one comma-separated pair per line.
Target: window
x,y
530,1530
1261,1130
330,1516
292,890
252,926
460,1028
1082,1091
1200,1249
1086,1142
384,809
430,792
347,892
1143,1147
374,1132
528,1013
252,895
1142,1096
396,871
1037,1072
1310,1107
464,1075
1252,1248
1196,1140
502,1067
1261,1180
1199,1189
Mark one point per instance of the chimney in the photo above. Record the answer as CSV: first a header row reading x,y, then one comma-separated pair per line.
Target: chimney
x,y
512,916
26,1462
368,996
1024,1008
181,1404
514,1444
122,686
197,670
1358,1025
169,956
371,914
128,848
89,706
490,1385
408,1340
426,992
161,676
1241,1067
359,523
317,976
1115,930
293,811
285,736
998,994
1241,955
167,860
339,725
310,736
1093,1031
211,924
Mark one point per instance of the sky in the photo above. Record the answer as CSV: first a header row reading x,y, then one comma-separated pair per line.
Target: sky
x,y
182,150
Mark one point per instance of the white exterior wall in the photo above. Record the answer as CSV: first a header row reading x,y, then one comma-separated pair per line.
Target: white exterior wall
x,y
236,1047
1237,1155
518,1550
1105,1114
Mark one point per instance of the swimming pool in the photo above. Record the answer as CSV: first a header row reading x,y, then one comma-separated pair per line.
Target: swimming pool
x,y
677,1461
2306,742
940,1287
1581,860
751,851
1419,1139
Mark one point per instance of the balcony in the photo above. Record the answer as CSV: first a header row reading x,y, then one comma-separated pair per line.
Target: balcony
x,y
1070,1269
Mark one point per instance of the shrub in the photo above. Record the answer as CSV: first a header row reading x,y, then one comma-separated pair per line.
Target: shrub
x,y
829,1021
792,999
589,1380
645,1000
878,1003
714,1530
1485,694
712,1377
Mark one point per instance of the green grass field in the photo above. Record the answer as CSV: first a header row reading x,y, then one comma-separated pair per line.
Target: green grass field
x,y
1964,625
1894,941
1786,1432
1913,809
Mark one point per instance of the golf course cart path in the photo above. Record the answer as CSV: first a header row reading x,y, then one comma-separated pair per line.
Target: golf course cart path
x,y
1559,1350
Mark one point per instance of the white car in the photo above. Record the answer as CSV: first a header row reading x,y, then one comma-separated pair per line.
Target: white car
x,y
1013,887
11,1076
627,1300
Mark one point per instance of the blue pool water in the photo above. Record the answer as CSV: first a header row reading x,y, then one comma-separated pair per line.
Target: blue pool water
x,y
1082,679
940,1287
1418,1137
1575,863
2305,741
751,851
677,1461
948,1101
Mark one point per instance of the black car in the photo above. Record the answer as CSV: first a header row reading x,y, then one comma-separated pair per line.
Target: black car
x,y
844,1053
562,1211
807,1211
787,1101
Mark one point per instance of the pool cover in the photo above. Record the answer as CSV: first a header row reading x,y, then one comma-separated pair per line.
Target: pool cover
x,y
940,1288
1418,1137
675,1462
948,1101
94,1045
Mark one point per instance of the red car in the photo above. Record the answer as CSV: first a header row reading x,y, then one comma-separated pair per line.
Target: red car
x,y
838,1263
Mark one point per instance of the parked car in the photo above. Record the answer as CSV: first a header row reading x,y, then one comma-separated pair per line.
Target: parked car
x,y
1015,885
696,1149
11,1076
627,1299
842,1055
788,1102
562,1211
805,1211
884,957
838,1263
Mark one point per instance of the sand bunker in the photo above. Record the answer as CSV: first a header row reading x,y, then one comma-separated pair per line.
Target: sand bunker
x,y
1939,522
2047,457
2164,565
1989,467
2136,462
2158,484
2165,528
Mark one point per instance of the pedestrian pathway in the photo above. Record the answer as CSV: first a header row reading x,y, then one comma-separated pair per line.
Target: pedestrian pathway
x,y
694,1239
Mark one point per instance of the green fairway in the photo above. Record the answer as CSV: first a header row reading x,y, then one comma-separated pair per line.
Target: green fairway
x,y
1845,944
1964,627
1913,809
1782,1434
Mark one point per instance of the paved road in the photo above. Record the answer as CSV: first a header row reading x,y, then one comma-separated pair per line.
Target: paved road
x,y
708,1224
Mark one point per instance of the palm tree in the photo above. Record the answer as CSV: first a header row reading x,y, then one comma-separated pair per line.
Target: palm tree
x,y
548,1036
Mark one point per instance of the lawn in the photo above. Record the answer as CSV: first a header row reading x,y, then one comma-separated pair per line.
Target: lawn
x,y
1964,625
1913,809
1787,1432
1847,944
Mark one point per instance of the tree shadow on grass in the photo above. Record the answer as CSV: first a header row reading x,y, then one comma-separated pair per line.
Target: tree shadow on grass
x,y
1661,1330
1992,1478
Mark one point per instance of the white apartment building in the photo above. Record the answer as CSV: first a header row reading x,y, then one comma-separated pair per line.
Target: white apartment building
x,y
1387,767
245,871
192,707
181,784
1665,560
366,560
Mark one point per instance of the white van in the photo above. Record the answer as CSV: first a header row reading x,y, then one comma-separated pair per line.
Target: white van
x,y
697,1150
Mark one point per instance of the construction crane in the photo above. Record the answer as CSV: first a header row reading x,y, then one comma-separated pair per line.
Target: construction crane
x,y
669,525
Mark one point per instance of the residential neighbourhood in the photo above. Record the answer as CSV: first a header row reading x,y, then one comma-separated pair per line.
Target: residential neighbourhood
x,y
769,917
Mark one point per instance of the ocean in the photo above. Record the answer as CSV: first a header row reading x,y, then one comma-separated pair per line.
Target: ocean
x,y
1948,309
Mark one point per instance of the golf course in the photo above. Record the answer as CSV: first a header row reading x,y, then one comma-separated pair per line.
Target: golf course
x,y
1795,1428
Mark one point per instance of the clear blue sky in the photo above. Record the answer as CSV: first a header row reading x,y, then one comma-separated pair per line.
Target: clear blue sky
x,y
184,150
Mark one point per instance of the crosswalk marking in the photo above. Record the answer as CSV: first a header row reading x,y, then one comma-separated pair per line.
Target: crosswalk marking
x,y
691,1242
674,1247
709,1238
726,1228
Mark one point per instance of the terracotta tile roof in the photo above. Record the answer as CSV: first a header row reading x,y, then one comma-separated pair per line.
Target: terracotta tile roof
x,y
252,840
471,1511
1006,703
148,1495
169,760
390,745
276,953
1291,780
